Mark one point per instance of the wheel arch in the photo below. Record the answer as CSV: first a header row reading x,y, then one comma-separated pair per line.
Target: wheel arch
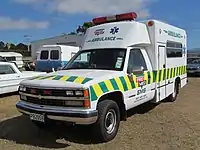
x,y
177,83
118,97
178,80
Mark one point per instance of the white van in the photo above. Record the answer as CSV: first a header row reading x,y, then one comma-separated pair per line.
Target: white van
x,y
53,57
17,58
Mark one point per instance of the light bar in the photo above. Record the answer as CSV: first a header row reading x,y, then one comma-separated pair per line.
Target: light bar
x,y
118,17
126,16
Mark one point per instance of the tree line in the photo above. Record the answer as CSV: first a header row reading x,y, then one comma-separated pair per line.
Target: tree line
x,y
82,28
19,48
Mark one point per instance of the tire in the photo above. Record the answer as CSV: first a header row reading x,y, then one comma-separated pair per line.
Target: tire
x,y
173,96
108,121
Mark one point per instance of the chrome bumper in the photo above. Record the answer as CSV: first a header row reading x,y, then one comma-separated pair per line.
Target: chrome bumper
x,y
60,114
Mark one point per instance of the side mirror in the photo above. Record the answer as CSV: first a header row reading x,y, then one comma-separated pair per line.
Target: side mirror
x,y
136,70
139,70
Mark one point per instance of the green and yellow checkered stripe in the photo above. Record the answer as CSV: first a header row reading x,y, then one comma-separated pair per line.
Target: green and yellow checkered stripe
x,y
125,84
75,79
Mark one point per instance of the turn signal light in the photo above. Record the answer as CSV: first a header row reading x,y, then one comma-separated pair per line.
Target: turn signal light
x,y
86,102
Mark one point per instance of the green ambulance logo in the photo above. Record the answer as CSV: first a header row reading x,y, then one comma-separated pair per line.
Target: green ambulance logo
x,y
174,34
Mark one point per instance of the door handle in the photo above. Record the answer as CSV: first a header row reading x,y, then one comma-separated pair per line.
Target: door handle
x,y
164,66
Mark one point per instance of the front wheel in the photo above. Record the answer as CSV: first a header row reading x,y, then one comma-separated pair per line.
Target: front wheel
x,y
108,121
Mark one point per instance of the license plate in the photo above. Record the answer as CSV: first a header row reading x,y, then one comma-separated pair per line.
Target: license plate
x,y
37,117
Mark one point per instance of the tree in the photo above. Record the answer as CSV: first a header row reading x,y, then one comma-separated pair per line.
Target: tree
x,y
21,46
12,46
82,29
2,45
9,46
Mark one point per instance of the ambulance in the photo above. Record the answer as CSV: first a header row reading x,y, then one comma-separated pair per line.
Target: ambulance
x,y
123,63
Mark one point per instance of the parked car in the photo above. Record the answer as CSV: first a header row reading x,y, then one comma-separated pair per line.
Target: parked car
x,y
17,58
11,76
193,66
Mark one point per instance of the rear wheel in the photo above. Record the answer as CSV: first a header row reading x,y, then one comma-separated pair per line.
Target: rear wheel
x,y
108,122
173,96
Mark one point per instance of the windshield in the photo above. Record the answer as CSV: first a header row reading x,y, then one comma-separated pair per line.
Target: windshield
x,y
106,59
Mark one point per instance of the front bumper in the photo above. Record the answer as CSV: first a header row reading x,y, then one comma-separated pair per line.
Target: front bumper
x,y
60,114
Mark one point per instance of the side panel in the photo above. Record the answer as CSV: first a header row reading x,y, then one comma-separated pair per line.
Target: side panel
x,y
176,61
9,79
9,83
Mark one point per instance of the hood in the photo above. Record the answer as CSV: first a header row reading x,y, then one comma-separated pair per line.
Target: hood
x,y
71,78
32,73
24,75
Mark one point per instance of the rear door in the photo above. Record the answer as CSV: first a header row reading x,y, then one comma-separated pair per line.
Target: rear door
x,y
43,62
161,76
55,58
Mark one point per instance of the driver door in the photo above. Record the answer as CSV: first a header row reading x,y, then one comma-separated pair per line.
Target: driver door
x,y
137,70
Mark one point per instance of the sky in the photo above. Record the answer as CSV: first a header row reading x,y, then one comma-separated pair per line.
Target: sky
x,y
29,20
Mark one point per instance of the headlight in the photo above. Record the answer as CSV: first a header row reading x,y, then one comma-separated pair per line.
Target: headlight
x,y
22,88
69,93
79,93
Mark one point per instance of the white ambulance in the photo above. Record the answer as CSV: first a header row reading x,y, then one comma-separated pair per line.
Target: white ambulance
x,y
122,64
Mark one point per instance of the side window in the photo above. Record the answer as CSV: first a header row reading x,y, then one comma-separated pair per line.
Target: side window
x,y
82,61
44,55
84,57
174,49
11,58
54,55
136,61
6,69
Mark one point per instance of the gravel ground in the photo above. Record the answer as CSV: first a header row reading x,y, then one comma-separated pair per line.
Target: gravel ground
x,y
168,126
